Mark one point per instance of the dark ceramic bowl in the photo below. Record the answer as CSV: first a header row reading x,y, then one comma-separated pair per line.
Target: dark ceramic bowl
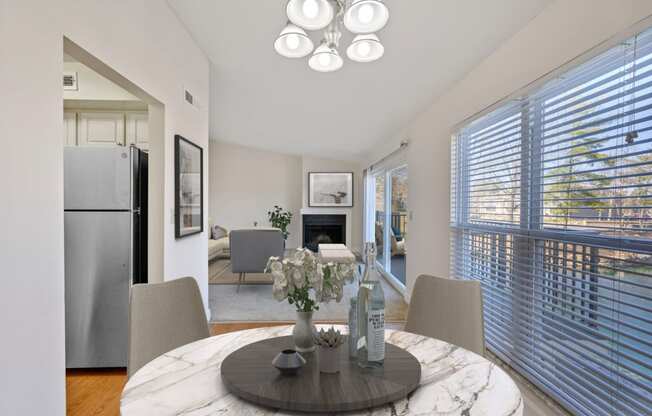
x,y
288,362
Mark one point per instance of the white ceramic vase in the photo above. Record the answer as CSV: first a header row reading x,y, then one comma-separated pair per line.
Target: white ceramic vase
x,y
329,359
303,332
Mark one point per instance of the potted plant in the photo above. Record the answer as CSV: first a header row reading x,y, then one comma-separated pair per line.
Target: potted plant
x,y
280,218
329,343
306,282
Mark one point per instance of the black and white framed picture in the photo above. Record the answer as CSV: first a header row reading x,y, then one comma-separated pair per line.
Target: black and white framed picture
x,y
188,188
330,189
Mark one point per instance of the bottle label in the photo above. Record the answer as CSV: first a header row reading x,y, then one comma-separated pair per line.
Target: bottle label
x,y
376,335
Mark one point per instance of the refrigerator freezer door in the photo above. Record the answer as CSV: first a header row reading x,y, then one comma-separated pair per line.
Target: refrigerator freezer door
x,y
97,256
97,178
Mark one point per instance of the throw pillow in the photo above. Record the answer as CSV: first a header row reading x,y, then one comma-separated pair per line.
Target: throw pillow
x,y
219,232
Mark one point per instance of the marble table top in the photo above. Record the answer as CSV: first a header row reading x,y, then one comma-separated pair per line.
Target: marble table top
x,y
187,381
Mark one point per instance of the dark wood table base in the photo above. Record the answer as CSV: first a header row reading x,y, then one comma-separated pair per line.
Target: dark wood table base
x,y
248,373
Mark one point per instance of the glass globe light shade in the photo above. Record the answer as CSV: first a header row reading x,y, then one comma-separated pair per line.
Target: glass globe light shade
x,y
310,8
310,14
365,48
366,16
293,42
325,59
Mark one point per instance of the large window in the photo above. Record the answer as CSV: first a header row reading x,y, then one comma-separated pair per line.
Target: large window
x,y
551,210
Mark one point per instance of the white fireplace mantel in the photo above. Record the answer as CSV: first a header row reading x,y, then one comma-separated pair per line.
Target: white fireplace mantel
x,y
327,211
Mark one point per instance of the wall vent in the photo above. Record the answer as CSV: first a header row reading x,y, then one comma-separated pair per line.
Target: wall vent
x,y
70,80
189,98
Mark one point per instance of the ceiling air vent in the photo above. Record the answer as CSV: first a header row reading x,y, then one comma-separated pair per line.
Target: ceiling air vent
x,y
70,81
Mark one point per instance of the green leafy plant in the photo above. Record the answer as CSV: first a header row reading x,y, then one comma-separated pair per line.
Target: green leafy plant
x,y
280,218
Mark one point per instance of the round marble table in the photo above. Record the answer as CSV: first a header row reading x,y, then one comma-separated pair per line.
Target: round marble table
x,y
187,381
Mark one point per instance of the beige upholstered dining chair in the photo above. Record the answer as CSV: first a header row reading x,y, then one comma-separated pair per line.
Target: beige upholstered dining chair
x,y
162,317
449,310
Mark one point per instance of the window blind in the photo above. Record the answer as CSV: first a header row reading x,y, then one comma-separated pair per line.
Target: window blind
x,y
551,210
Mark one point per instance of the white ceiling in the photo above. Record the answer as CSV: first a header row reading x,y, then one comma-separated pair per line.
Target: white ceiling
x,y
263,100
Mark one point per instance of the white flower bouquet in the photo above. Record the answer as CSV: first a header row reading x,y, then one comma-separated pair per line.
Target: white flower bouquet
x,y
306,282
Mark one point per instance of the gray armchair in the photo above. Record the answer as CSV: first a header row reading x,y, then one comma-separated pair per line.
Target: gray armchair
x,y
250,250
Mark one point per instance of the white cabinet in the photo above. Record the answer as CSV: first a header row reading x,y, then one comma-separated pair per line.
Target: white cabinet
x,y
136,129
69,128
105,128
101,128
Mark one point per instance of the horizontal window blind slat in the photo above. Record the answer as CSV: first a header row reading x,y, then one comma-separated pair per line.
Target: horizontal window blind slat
x,y
596,118
615,147
539,263
593,322
574,332
620,128
575,106
607,359
498,139
563,354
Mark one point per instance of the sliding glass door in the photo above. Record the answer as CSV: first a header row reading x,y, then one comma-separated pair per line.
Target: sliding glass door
x,y
398,222
380,215
387,219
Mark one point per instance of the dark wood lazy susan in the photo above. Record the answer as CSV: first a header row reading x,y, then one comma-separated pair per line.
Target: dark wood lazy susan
x,y
248,373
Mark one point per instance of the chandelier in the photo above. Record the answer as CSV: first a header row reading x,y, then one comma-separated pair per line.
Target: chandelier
x,y
361,17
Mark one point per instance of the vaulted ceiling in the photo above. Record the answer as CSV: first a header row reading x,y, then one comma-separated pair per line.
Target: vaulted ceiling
x,y
263,100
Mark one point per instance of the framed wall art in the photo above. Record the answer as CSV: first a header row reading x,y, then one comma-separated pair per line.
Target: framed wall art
x,y
188,188
330,189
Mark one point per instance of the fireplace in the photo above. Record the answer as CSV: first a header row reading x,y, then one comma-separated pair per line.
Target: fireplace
x,y
323,229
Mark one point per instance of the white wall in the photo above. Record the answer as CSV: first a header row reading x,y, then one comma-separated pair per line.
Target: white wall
x,y
141,40
31,211
313,164
93,86
245,183
563,31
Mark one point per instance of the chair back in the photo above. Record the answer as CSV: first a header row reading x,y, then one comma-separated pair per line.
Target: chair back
x,y
250,249
449,310
162,317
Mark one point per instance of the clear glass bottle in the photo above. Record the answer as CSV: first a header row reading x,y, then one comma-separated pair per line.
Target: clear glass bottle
x,y
353,327
371,314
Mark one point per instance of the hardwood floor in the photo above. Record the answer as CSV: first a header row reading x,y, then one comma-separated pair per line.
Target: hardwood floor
x,y
97,392
94,392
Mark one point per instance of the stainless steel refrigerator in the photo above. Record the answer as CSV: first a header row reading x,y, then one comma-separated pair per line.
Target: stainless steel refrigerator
x,y
105,219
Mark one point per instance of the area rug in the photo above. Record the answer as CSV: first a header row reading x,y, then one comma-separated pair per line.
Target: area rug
x,y
254,302
219,273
